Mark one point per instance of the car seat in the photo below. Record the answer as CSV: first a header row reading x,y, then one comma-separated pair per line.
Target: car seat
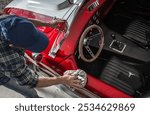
x,y
138,31
122,76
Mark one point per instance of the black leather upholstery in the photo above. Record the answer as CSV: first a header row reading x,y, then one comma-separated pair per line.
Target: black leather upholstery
x,y
122,76
139,30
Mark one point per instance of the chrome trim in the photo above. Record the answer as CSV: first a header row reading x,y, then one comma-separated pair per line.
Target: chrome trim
x,y
70,18
60,9
93,5
54,49
49,71
120,51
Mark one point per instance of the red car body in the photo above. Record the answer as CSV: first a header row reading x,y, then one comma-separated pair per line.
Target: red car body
x,y
65,57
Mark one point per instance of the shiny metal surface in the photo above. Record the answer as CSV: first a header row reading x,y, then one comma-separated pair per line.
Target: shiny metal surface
x,y
48,72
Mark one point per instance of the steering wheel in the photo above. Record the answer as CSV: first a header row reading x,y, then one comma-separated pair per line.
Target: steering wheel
x,y
91,43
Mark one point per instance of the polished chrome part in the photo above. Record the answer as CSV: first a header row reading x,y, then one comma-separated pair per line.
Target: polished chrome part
x,y
72,1
51,73
56,46
81,75
120,51
93,5
59,9
131,74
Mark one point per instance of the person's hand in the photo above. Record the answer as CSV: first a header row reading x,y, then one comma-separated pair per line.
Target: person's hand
x,y
71,81
56,21
63,23
13,46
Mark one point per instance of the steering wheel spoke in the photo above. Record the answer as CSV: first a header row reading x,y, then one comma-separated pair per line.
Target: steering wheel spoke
x,y
89,51
91,34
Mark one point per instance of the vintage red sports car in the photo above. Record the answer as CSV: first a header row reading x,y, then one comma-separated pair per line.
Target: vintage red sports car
x,y
108,39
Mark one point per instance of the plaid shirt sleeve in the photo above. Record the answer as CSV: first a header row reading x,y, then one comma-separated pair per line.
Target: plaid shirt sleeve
x,y
13,65
25,76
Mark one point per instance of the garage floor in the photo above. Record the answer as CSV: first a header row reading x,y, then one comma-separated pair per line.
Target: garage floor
x,y
58,91
7,93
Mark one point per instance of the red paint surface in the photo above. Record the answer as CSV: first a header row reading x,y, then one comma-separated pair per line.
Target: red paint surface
x,y
65,56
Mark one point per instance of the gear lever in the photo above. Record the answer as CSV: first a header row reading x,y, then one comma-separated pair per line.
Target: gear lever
x,y
113,36
116,44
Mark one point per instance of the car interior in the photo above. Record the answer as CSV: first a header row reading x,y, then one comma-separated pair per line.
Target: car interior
x,y
124,61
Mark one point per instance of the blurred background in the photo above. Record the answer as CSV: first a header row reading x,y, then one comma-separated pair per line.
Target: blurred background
x,y
3,3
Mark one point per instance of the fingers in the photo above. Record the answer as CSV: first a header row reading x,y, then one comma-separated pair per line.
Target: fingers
x,y
77,86
71,77
60,21
73,81
77,81
74,77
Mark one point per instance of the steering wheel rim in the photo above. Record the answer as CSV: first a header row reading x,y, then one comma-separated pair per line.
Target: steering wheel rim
x,y
82,40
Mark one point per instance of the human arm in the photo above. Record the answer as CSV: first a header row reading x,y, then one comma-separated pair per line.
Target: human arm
x,y
52,23
65,80
26,76
14,66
